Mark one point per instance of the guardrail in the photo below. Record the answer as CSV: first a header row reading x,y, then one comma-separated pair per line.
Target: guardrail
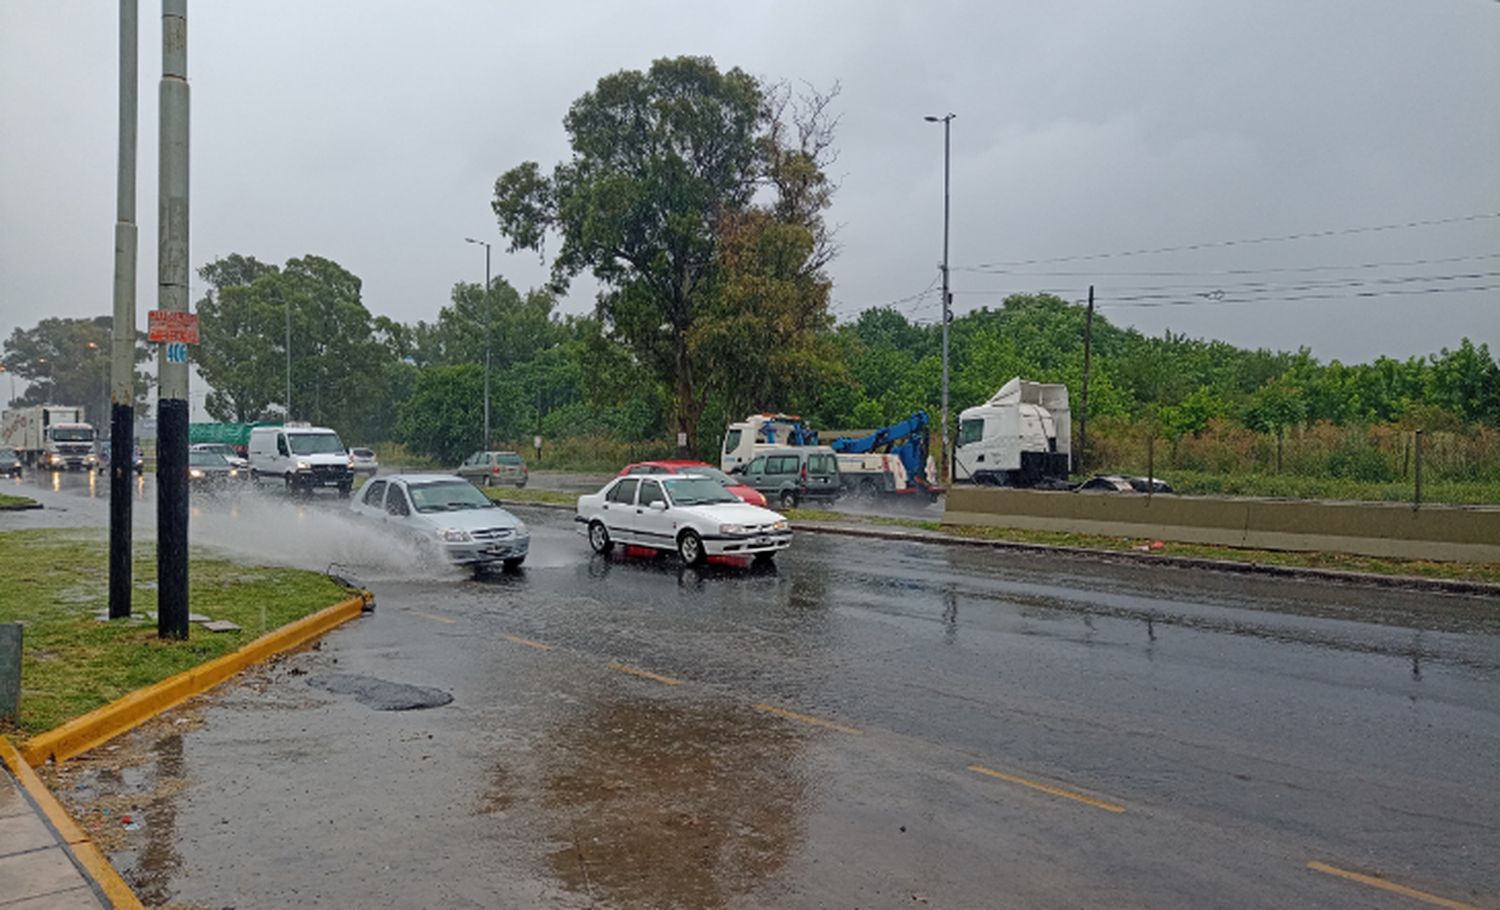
x,y
1439,532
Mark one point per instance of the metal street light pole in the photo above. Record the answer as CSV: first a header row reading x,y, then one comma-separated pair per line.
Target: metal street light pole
x,y
172,297
122,327
947,122
486,246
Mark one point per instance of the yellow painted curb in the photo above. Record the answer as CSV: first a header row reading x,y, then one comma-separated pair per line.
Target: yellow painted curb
x,y
75,841
103,724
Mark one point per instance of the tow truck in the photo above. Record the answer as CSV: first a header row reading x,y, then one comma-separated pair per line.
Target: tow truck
x,y
891,462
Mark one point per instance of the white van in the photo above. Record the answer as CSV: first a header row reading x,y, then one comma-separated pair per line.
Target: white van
x,y
304,457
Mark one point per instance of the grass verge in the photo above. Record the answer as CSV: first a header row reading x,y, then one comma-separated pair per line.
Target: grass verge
x,y
511,494
56,581
1487,572
16,502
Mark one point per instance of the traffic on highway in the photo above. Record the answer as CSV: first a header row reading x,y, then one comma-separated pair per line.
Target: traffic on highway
x,y
861,722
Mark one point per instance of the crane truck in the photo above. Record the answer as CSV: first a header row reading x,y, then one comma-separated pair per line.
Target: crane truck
x,y
50,436
1021,437
889,462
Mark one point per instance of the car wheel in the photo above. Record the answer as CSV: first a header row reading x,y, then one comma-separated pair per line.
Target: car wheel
x,y
764,559
344,490
488,481
599,537
788,499
690,547
521,485
512,565
865,492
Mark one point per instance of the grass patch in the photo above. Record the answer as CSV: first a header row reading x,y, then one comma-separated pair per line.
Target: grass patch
x,y
511,494
1461,571
16,502
1291,486
55,583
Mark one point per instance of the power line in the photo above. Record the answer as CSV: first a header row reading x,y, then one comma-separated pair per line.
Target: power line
x,y
1228,301
1217,272
1215,244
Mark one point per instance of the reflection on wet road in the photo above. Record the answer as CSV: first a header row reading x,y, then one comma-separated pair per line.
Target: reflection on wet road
x,y
869,724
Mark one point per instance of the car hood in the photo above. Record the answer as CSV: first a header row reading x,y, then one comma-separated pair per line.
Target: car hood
x,y
734,513
470,519
325,458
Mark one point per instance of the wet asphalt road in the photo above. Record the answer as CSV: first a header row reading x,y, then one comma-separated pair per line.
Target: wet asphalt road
x,y
872,724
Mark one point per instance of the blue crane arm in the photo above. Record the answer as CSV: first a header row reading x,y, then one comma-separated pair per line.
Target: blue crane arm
x,y
906,440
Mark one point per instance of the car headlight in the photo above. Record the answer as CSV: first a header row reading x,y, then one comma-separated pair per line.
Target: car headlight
x,y
453,535
731,529
234,472
521,529
195,473
303,466
780,525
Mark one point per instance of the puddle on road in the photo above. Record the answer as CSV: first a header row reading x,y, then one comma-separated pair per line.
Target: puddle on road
x,y
701,802
380,694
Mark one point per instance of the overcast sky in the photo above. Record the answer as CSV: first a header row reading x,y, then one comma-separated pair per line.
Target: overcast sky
x,y
372,133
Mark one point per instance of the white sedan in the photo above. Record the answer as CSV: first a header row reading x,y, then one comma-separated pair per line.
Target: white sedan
x,y
689,513
446,514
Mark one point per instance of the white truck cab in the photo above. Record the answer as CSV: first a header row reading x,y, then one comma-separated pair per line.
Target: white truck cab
x,y
1022,436
304,457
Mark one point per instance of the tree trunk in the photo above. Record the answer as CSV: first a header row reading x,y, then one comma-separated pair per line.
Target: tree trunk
x,y
1279,434
687,402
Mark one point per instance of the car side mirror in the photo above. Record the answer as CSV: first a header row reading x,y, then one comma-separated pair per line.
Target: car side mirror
x,y
657,506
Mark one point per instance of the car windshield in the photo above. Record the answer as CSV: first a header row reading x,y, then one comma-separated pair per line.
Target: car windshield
x,y
714,473
206,460
8,455
696,491
315,443
363,453
73,434
216,447
447,496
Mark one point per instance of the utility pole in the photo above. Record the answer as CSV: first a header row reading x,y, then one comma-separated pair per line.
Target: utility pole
x,y
287,311
947,122
122,328
486,443
1083,417
172,297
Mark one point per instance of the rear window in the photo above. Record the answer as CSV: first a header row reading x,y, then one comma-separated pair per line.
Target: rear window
x,y
624,491
508,458
822,464
363,453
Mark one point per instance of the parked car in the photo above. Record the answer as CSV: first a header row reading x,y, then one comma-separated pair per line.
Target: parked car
x,y
1116,483
222,448
210,471
10,462
490,469
676,466
301,456
690,513
444,513
794,475
363,461
137,458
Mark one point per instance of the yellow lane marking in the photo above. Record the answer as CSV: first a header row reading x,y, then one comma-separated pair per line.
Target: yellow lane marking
x,y
526,641
645,674
1392,887
806,718
1047,788
432,616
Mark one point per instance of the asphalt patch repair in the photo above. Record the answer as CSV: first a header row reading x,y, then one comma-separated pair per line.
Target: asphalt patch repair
x,y
380,694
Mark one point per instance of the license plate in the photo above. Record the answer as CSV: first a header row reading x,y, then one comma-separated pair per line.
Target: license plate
x,y
762,542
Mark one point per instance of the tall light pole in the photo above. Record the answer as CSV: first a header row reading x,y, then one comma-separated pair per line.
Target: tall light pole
x,y
947,122
122,327
486,245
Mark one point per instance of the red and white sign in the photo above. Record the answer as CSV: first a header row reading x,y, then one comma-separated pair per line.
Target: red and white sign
x,y
169,326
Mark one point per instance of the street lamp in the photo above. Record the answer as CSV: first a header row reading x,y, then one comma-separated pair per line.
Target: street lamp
x,y
947,122
485,244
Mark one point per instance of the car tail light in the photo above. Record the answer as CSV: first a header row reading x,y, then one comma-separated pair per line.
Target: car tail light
x,y
495,469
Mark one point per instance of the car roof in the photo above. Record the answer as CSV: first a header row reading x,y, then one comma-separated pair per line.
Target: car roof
x,y
421,478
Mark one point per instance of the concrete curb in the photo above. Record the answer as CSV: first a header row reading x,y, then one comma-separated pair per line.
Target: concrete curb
x,y
103,724
1372,579
1445,585
22,506
87,856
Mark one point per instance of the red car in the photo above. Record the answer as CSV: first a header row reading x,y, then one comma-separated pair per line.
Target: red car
x,y
676,466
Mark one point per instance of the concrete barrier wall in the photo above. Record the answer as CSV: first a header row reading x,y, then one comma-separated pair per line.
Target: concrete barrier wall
x,y
1452,533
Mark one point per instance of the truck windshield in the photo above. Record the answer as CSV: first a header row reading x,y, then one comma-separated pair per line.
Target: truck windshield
x,y
315,443
73,434
970,431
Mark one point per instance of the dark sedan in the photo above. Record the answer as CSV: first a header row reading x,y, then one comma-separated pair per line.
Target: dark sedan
x,y
10,463
211,471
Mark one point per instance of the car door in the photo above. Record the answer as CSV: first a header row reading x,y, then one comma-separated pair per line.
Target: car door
x,y
618,509
755,473
653,527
